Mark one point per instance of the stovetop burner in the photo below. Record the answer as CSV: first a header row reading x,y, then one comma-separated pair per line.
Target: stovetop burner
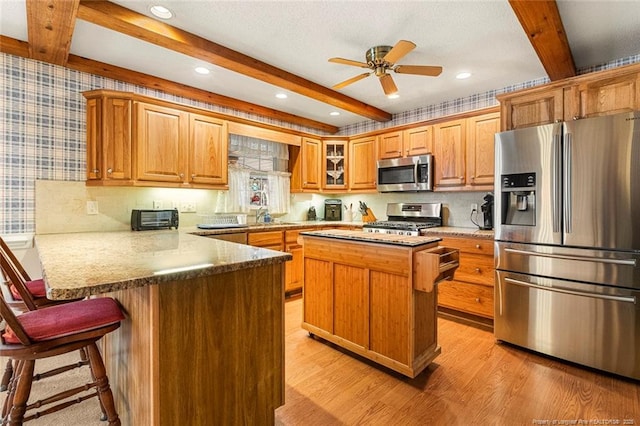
x,y
407,219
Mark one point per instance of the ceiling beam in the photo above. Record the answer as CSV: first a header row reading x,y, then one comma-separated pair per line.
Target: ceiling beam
x,y
120,19
21,48
543,25
50,26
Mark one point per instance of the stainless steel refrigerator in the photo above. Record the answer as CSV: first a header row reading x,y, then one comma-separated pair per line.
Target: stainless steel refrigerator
x,y
567,245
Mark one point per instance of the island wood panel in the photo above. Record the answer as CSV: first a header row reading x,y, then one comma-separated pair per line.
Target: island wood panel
x,y
351,304
425,324
318,293
203,351
391,315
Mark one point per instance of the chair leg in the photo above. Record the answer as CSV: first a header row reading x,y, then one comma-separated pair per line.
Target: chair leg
x,y
23,389
11,390
104,390
8,372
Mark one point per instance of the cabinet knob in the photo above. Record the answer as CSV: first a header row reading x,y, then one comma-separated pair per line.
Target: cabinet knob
x,y
477,246
461,177
472,177
477,300
193,176
181,175
109,170
95,171
478,270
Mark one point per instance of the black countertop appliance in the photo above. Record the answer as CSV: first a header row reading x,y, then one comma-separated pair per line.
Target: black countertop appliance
x,y
487,212
332,209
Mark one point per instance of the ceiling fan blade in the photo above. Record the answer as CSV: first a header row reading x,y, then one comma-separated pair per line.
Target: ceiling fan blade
x,y
399,50
419,70
388,85
349,62
351,80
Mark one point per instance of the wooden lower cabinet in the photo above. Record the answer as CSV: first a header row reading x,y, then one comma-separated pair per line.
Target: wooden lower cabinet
x,y
270,239
294,269
362,296
471,291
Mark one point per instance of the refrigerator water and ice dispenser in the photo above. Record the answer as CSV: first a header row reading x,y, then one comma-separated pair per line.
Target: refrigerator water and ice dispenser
x,y
519,199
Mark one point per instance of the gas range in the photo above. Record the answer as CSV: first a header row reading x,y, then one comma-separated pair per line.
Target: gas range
x,y
407,219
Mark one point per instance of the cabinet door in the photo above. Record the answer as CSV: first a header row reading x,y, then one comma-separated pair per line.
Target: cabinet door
x,y
481,132
351,304
362,163
533,109
450,153
311,154
318,294
294,269
207,150
418,141
334,154
162,135
390,145
108,138
390,299
608,96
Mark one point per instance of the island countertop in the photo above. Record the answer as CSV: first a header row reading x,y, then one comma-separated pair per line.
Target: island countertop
x,y
368,237
82,264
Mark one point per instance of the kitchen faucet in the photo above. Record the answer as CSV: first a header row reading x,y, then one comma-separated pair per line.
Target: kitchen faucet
x,y
262,211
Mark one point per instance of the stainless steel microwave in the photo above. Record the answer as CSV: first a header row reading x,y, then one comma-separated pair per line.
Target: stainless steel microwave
x,y
406,174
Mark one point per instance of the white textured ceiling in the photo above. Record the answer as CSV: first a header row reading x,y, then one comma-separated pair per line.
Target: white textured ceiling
x,y
482,37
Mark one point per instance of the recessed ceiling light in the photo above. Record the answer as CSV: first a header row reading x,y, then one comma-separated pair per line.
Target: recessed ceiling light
x,y
202,70
393,96
463,75
161,12
334,113
281,95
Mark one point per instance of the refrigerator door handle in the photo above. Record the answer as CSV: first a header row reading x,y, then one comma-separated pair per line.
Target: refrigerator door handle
x,y
557,182
626,262
567,183
630,299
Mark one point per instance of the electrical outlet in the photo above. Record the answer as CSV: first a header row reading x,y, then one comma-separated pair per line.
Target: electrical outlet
x,y
92,207
187,207
474,207
157,204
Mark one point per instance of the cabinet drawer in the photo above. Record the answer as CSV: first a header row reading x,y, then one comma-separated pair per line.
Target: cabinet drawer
x,y
264,239
476,268
291,237
469,245
472,298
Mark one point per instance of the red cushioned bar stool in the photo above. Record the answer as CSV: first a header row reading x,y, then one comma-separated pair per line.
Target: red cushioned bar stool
x,y
52,331
24,294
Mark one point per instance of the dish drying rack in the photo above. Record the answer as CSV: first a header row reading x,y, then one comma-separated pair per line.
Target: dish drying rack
x,y
219,219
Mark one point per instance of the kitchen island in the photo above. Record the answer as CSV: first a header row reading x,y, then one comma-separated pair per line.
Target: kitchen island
x,y
375,294
203,339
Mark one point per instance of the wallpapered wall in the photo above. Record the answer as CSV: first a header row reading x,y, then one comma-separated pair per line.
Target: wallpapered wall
x,y
42,126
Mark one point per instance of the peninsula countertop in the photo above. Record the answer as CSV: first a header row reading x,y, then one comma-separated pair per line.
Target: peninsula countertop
x,y
82,264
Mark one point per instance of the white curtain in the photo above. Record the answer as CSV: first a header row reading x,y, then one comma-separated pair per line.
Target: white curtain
x,y
237,198
279,184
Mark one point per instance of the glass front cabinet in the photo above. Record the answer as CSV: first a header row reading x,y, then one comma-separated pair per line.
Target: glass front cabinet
x,y
334,156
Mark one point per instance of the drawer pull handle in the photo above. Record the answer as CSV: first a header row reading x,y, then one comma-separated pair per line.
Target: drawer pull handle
x,y
478,270
477,299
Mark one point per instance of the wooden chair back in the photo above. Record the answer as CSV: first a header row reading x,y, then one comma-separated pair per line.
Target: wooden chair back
x,y
4,246
10,320
15,275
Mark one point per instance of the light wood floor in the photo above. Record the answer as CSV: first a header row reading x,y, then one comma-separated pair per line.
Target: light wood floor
x,y
475,381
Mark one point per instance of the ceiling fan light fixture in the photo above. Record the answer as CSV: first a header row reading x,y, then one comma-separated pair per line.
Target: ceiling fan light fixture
x,y
161,12
463,75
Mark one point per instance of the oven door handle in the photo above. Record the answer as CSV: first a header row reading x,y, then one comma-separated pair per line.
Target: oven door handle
x,y
630,299
627,262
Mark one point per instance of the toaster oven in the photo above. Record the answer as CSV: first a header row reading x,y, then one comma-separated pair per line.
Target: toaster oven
x,y
146,220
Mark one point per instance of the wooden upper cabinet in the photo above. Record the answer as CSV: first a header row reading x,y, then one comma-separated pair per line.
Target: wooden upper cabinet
x,y
410,142
109,130
605,96
208,150
418,141
449,152
362,163
334,164
390,145
311,150
161,135
533,109
481,132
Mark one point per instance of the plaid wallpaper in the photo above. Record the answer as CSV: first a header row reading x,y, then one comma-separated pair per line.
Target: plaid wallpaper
x,y
42,128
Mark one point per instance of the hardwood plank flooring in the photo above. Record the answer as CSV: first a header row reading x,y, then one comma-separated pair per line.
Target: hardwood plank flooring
x,y
475,381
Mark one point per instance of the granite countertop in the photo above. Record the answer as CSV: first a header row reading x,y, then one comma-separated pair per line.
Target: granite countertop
x,y
81,264
452,231
273,226
398,240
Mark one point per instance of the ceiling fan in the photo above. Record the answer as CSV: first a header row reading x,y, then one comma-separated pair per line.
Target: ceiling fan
x,y
381,59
